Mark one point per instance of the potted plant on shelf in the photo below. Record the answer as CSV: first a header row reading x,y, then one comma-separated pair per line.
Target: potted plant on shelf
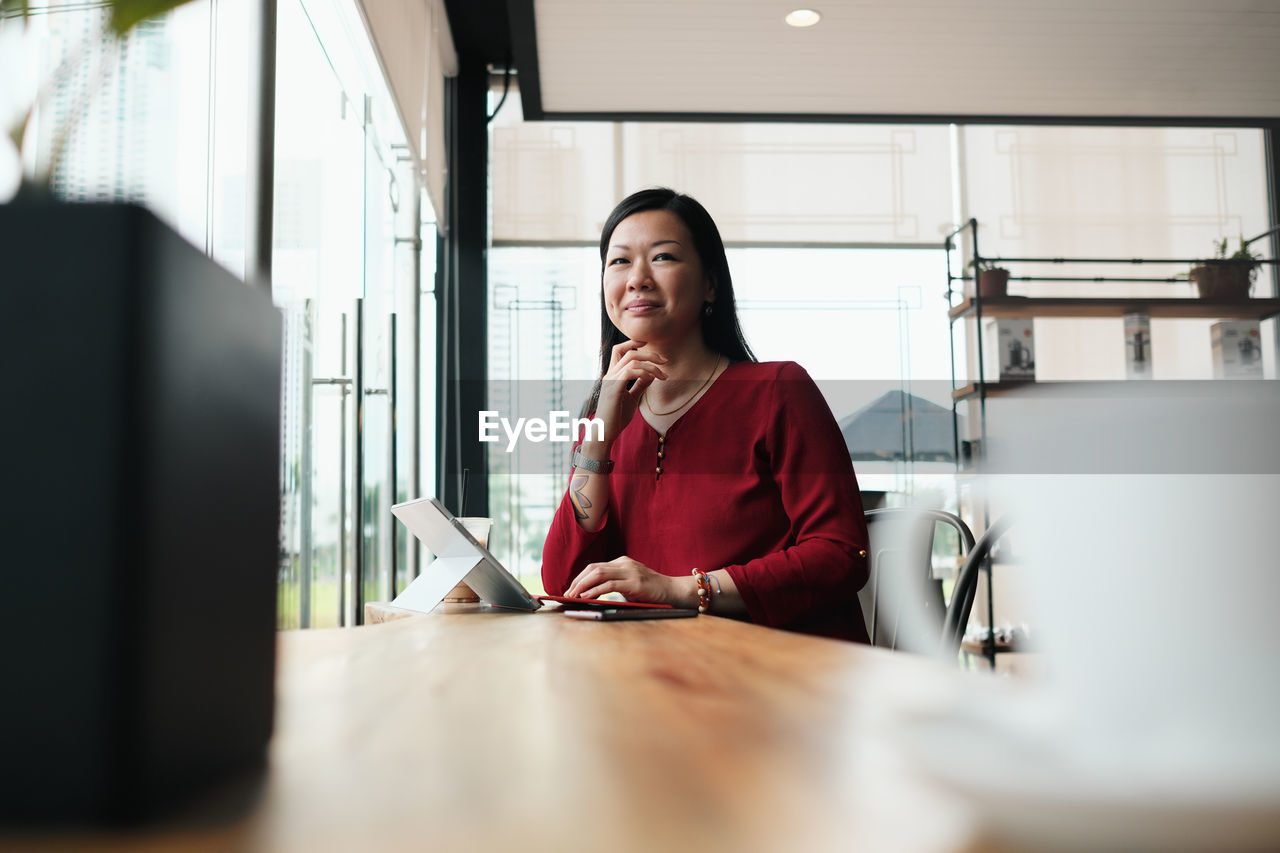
x,y
992,280
1226,277
142,423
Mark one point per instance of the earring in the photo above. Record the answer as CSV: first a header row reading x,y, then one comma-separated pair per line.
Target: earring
x,y
707,309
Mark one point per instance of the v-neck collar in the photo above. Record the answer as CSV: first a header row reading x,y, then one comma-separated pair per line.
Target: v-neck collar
x,y
693,407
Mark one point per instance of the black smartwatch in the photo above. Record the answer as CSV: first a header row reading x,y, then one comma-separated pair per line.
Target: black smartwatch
x,y
588,464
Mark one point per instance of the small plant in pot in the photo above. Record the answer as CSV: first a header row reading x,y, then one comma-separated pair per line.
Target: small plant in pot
x,y
992,280
1226,276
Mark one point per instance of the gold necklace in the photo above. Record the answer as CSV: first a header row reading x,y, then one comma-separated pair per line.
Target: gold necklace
x,y
644,398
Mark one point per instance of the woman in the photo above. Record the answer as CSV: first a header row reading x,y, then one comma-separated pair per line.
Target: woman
x,y
720,482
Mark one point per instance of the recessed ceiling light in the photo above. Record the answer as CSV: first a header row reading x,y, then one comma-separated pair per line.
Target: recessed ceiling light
x,y
803,18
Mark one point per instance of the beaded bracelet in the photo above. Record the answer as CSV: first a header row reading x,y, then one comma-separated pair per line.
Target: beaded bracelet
x,y
704,590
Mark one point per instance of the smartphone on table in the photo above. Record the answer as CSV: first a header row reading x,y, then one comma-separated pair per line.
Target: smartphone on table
x,y
619,614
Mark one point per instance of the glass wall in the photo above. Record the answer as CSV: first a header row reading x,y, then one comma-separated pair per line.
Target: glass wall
x,y
348,225
318,277
861,321
160,118
837,262
835,239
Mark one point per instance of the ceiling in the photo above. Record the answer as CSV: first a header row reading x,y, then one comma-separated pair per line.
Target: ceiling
x,y
978,60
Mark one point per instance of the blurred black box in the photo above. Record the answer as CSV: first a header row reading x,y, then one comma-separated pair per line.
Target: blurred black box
x,y
140,430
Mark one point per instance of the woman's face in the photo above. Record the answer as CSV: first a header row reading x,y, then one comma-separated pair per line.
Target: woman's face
x,y
654,284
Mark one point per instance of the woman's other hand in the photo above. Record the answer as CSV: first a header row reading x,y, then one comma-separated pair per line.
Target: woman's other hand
x,y
634,580
633,367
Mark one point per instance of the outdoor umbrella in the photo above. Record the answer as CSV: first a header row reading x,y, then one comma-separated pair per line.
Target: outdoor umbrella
x,y
899,426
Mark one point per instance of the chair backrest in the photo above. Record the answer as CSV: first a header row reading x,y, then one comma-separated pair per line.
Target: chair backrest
x,y
902,602
966,588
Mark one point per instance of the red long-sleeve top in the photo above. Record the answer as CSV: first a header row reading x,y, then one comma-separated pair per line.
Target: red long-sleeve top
x,y
755,479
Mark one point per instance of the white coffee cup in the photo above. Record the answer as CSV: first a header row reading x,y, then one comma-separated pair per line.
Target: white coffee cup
x,y
479,528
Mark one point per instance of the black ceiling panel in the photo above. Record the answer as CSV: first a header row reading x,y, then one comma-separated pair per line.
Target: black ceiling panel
x,y
480,29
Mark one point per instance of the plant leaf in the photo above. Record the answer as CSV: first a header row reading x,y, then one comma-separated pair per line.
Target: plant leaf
x,y
19,129
16,8
126,14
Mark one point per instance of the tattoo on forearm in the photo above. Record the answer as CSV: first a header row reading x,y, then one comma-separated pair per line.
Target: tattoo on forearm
x,y
581,503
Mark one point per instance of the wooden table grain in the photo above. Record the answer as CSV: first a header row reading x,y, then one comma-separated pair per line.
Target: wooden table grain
x,y
472,729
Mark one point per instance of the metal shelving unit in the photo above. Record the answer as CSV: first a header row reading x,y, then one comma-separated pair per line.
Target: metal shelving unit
x,y
972,308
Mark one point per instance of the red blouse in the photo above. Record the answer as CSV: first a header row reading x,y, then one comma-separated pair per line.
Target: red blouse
x,y
754,478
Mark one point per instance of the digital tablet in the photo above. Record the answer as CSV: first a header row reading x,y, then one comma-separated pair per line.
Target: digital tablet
x,y
459,557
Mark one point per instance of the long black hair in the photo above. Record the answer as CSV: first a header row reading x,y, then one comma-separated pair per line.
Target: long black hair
x,y
720,330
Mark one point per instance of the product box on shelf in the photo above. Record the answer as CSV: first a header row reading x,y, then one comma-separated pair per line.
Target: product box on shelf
x,y
1137,346
1237,349
1010,344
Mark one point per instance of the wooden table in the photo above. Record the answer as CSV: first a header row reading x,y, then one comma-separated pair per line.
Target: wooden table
x,y
469,729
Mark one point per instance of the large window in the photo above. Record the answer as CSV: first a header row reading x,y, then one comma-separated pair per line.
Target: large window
x,y
160,118
835,235
347,233
862,321
156,118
